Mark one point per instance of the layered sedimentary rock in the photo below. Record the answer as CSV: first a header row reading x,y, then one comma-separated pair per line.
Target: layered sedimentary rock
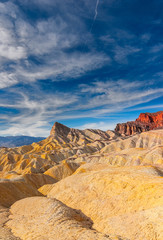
x,y
141,149
62,144
145,122
64,134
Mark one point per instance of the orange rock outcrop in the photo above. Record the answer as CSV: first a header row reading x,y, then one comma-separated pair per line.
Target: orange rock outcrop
x,y
145,122
154,119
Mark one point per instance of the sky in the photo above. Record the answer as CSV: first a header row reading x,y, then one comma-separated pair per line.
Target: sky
x,y
83,63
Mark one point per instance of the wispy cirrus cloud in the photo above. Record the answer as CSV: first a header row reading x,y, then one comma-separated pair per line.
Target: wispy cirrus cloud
x,y
37,109
63,67
40,50
122,53
120,94
146,37
7,79
157,48
34,112
98,125
10,45
52,67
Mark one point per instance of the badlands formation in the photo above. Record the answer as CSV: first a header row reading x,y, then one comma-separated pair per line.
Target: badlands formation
x,y
85,185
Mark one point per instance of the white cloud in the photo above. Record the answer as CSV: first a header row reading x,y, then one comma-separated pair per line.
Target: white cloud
x,y
8,8
160,74
55,49
46,36
7,79
35,112
122,53
108,39
146,37
160,106
122,34
37,109
157,48
118,95
12,52
37,129
10,47
63,67
46,41
98,125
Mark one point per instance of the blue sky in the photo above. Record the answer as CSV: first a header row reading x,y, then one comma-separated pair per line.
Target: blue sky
x,y
85,63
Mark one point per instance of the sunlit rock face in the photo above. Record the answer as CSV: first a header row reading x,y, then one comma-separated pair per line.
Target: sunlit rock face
x,y
141,149
123,200
64,135
42,218
5,232
84,184
155,119
145,122
12,191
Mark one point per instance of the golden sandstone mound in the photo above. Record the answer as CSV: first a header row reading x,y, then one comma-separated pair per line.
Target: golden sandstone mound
x,y
18,187
45,189
62,170
12,191
5,232
42,218
123,200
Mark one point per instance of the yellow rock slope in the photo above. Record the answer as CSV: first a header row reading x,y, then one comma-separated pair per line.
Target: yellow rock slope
x,y
123,200
40,218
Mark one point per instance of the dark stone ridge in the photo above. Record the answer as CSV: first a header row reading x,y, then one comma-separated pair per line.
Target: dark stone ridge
x,y
59,129
62,134
145,122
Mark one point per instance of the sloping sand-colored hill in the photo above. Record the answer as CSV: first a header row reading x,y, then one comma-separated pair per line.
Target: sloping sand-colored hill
x,y
123,200
43,218
84,185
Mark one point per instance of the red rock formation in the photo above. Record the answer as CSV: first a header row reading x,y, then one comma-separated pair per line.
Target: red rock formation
x,y
145,122
154,119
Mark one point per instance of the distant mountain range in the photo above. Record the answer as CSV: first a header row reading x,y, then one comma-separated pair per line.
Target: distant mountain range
x,y
16,141
145,122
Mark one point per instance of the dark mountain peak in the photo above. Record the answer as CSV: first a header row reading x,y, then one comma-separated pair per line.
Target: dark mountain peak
x,y
59,129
